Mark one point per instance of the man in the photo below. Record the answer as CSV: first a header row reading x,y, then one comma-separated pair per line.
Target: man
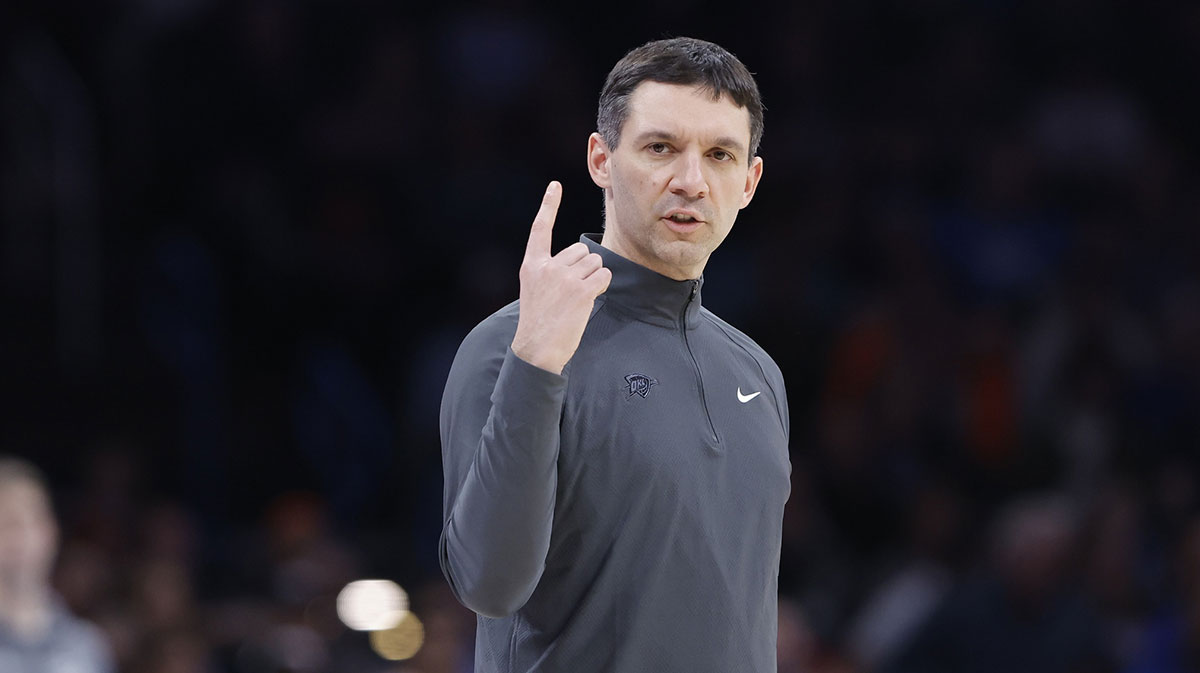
x,y
37,634
615,455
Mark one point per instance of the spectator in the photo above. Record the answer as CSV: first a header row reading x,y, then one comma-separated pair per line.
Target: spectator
x,y
37,632
1024,613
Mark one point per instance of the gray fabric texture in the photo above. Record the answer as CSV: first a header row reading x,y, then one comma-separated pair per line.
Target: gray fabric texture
x,y
626,515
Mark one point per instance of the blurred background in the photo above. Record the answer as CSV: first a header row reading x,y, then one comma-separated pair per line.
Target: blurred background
x,y
241,242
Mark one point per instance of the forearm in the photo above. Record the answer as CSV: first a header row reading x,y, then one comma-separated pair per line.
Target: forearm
x,y
500,511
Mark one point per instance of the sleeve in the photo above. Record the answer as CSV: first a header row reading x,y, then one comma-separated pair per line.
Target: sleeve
x,y
500,421
784,416
784,412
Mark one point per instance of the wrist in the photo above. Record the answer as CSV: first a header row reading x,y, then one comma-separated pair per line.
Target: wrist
x,y
539,360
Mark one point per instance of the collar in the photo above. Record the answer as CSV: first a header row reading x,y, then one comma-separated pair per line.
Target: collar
x,y
648,295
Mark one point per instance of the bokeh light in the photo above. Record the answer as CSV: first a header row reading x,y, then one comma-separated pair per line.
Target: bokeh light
x,y
402,641
372,605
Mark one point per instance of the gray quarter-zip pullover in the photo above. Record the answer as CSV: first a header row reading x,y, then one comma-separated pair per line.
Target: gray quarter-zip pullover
x,y
626,515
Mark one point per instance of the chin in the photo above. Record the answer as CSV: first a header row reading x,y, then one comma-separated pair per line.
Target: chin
x,y
682,254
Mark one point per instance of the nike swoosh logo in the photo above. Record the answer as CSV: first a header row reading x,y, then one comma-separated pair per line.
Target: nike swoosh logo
x,y
746,398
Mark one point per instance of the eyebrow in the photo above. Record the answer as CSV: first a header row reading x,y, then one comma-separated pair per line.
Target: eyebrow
x,y
723,141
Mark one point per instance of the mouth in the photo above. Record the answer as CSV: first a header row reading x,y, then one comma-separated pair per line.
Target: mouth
x,y
682,222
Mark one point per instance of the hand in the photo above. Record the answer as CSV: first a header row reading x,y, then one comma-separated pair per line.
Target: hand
x,y
557,292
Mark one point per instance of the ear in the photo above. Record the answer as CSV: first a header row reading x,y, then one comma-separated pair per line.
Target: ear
x,y
753,175
597,160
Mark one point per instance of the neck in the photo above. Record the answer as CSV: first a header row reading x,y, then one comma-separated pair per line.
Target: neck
x,y
25,610
619,245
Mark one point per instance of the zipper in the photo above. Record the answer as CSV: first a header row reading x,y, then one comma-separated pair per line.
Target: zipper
x,y
699,377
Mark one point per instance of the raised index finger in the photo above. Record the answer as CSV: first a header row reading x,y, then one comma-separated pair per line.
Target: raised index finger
x,y
543,223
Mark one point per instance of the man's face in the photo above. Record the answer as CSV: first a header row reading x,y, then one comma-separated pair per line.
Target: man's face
x,y
28,535
675,183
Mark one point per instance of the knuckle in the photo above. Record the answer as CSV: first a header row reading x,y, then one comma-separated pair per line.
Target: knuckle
x,y
531,267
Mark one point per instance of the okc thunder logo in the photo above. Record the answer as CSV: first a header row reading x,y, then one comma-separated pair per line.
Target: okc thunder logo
x,y
639,384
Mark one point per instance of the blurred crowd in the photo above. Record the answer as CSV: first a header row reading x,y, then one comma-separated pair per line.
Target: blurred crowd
x,y
242,241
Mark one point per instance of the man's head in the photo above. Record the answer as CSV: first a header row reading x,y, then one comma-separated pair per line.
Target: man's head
x,y
684,61
28,531
1034,540
675,152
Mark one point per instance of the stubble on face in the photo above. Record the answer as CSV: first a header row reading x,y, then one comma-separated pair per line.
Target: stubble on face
x,y
649,241
679,151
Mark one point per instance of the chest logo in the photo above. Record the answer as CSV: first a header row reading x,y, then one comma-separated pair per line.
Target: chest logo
x,y
746,398
639,384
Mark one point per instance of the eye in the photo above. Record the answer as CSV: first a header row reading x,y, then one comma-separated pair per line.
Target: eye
x,y
722,155
658,148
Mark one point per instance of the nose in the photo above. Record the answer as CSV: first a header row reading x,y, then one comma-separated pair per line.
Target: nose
x,y
688,179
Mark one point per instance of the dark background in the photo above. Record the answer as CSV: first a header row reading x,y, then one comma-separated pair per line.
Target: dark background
x,y
242,240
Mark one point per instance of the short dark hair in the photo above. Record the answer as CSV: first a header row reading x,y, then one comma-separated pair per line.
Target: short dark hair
x,y
679,60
